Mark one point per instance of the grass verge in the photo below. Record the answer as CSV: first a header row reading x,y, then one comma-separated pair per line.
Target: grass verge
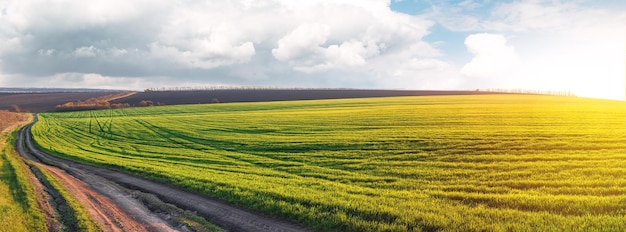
x,y
18,205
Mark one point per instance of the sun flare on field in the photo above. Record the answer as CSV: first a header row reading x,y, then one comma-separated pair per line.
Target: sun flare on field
x,y
599,74
604,88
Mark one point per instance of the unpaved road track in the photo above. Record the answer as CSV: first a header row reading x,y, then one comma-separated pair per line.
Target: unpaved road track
x,y
227,216
111,206
102,208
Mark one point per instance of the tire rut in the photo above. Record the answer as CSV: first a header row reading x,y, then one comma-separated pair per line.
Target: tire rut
x,y
225,215
111,206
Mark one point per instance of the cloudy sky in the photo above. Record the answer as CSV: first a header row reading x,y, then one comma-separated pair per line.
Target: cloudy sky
x,y
572,45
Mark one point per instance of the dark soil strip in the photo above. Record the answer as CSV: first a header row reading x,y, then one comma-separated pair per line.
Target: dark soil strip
x,y
225,215
43,102
264,95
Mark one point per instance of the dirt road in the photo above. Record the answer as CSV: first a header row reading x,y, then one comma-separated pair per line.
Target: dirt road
x,y
103,209
227,216
111,206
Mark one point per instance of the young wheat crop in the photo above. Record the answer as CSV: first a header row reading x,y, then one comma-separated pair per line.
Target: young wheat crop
x,y
456,163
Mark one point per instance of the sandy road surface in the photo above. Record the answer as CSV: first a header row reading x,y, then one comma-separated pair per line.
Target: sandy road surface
x,y
224,215
100,207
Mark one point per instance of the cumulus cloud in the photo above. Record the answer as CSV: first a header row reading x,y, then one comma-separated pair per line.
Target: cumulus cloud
x,y
350,36
206,35
117,52
303,48
46,52
204,54
427,64
85,51
493,58
300,41
319,43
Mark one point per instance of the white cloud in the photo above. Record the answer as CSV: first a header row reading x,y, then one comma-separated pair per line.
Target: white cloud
x,y
204,54
352,53
207,35
304,39
68,14
78,80
303,48
424,73
300,42
85,51
348,37
11,44
46,52
541,15
117,52
427,64
73,80
493,58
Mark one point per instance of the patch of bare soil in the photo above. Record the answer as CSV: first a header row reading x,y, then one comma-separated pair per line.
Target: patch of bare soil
x,y
101,208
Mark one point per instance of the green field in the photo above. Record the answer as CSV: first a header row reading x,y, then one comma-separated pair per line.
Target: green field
x,y
455,163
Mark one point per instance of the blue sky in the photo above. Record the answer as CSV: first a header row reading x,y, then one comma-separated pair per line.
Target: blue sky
x,y
450,42
412,7
573,45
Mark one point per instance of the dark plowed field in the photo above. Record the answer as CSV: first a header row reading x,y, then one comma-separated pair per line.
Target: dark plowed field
x,y
42,102
247,95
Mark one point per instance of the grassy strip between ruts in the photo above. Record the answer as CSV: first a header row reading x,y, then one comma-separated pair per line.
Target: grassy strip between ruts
x,y
72,214
18,206
466,163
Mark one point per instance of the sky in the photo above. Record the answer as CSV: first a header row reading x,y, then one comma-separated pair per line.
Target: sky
x,y
575,45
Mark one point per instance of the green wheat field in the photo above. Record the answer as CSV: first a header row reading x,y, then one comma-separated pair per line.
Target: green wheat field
x,y
446,163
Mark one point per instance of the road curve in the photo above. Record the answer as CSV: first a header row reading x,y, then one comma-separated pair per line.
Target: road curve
x,y
225,215
113,207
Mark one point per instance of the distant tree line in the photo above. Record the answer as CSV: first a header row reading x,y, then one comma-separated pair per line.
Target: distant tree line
x,y
530,91
230,87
